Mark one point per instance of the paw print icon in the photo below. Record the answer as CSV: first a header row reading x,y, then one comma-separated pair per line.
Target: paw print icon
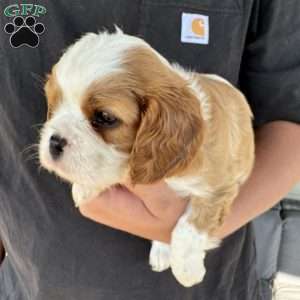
x,y
24,32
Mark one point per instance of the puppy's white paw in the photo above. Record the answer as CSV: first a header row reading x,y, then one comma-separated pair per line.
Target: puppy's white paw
x,y
187,255
188,250
159,256
81,194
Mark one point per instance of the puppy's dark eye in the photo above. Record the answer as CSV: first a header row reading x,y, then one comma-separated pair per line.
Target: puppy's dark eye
x,y
104,119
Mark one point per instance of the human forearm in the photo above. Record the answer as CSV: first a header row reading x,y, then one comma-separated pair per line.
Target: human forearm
x,y
276,170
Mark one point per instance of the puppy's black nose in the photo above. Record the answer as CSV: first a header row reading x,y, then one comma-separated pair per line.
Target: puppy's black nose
x,y
56,146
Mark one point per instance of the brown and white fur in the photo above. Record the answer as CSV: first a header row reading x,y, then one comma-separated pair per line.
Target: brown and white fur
x,y
192,130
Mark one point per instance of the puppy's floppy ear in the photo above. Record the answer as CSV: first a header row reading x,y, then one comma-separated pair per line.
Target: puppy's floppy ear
x,y
169,136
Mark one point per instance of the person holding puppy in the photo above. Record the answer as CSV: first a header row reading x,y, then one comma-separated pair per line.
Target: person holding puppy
x,y
55,253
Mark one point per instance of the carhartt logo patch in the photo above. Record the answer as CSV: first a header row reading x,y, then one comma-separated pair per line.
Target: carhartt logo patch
x,y
194,29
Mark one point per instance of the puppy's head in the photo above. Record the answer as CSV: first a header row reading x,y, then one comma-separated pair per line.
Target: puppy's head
x,y
115,106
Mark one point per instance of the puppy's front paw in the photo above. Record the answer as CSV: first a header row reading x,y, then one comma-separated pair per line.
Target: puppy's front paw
x,y
81,194
159,256
187,254
188,250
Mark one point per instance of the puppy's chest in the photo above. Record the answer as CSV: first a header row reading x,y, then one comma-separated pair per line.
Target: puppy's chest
x,y
82,194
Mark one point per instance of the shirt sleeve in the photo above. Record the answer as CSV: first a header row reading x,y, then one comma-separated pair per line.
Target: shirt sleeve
x,y
270,71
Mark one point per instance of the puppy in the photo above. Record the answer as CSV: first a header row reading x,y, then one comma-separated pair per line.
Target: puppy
x,y
117,109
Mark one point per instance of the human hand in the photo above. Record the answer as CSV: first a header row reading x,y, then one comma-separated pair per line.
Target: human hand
x,y
148,211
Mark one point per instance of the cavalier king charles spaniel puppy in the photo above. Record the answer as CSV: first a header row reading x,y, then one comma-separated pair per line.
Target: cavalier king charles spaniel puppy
x,y
117,109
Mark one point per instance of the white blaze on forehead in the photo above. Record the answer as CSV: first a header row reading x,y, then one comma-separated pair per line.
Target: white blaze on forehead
x,y
90,58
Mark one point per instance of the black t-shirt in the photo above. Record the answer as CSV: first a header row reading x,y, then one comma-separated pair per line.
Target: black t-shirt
x,y
53,252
